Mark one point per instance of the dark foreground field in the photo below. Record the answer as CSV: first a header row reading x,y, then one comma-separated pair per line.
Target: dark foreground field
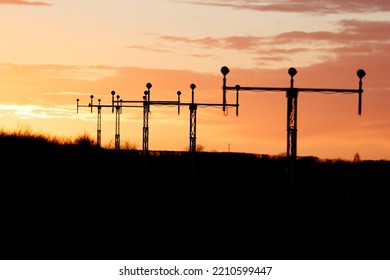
x,y
81,202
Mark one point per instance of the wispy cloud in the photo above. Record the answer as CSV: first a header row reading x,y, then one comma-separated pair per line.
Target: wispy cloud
x,y
35,111
150,49
54,84
299,6
67,93
71,72
350,30
23,3
233,42
80,72
351,37
206,41
285,51
161,48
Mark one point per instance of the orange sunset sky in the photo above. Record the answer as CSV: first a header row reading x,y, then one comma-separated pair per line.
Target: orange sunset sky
x,y
55,51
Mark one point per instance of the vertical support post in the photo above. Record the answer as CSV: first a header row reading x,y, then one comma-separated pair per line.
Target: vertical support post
x,y
148,86
224,70
145,129
91,103
117,124
178,102
237,92
292,103
112,101
99,126
360,73
145,134
193,108
193,128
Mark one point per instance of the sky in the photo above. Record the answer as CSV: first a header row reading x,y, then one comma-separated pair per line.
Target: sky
x,y
55,51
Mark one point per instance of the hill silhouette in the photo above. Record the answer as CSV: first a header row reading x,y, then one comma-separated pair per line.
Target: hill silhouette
x,y
77,201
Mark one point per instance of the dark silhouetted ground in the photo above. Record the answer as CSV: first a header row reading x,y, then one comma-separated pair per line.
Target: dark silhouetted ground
x,y
81,202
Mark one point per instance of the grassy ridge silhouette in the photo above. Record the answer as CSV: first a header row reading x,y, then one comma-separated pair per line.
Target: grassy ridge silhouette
x,y
68,199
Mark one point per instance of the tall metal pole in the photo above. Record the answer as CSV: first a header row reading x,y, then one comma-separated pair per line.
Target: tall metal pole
x,y
360,73
99,126
224,70
193,108
145,129
91,103
178,102
112,101
117,124
148,86
292,102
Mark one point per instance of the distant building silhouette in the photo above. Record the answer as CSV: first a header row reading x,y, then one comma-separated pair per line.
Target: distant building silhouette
x,y
356,158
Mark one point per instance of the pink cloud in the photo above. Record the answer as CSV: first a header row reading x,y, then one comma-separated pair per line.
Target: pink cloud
x,y
206,41
300,6
367,30
22,2
272,58
242,42
354,37
150,49
350,30
276,55
164,49
233,42
284,51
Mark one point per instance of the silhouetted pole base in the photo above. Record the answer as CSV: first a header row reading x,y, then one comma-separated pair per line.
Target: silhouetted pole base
x,y
290,200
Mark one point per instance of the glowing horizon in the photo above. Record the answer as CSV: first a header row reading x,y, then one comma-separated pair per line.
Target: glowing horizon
x,y
57,51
